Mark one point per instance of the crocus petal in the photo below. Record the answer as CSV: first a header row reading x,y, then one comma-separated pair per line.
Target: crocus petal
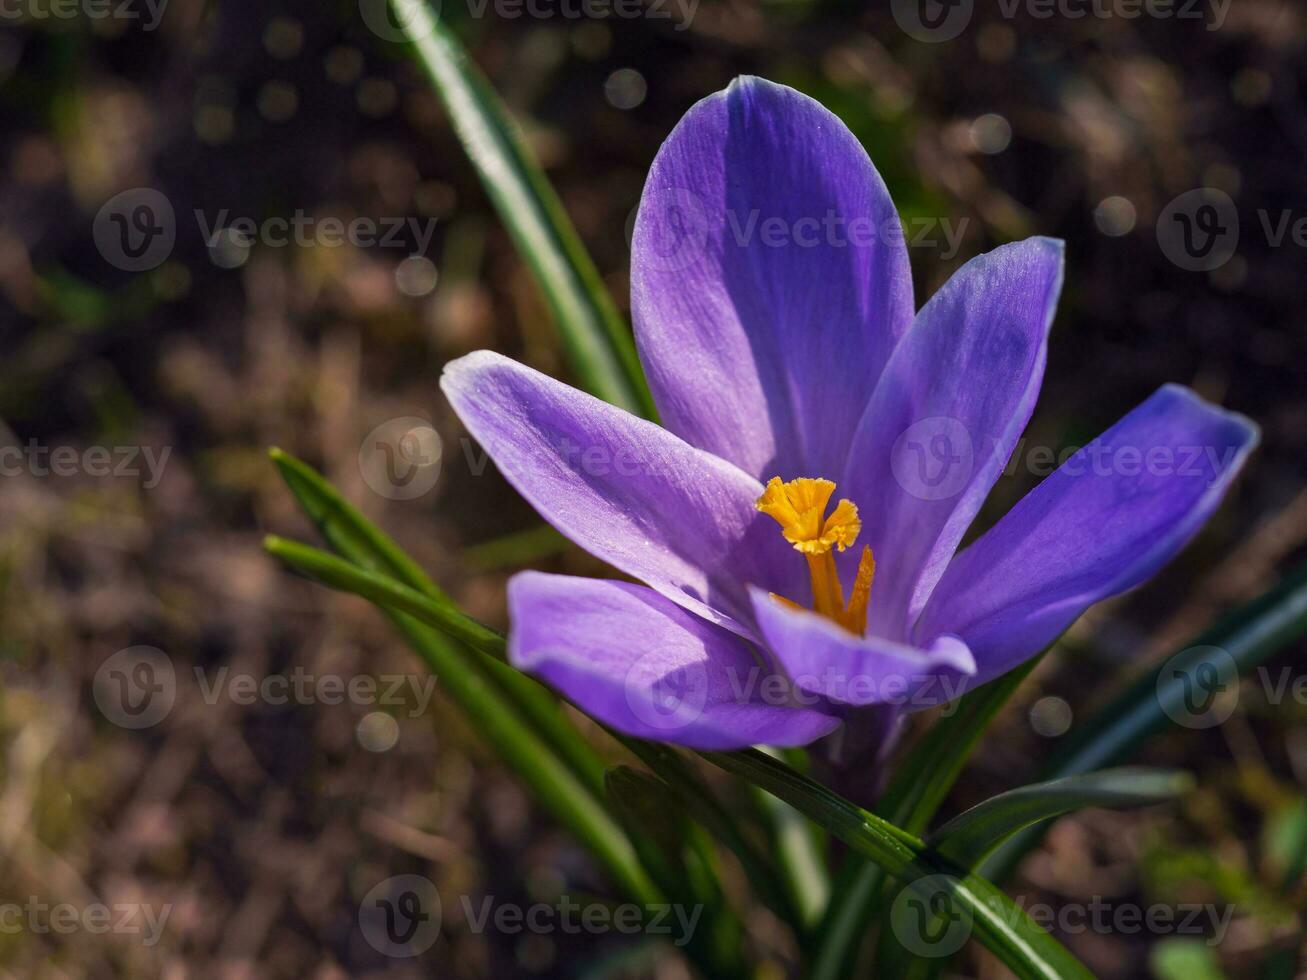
x,y
945,417
769,280
826,660
1109,518
640,663
624,489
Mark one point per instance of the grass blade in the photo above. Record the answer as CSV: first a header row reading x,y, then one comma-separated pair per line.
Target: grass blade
x,y
348,577
969,836
598,342
369,548
1248,636
919,787
698,799
553,783
995,920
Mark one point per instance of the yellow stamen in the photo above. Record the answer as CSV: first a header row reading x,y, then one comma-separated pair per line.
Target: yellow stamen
x,y
799,507
855,616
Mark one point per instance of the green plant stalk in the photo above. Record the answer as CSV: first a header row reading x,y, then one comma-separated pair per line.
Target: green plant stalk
x,y
797,854
997,921
703,806
1029,951
596,339
519,745
919,786
385,591
344,527
1250,636
351,534
968,837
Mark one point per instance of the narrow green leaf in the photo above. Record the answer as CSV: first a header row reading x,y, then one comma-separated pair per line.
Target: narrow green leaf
x,y
971,835
918,788
988,914
682,860
360,541
597,341
553,783
701,803
1243,639
797,855
385,591
346,529
516,549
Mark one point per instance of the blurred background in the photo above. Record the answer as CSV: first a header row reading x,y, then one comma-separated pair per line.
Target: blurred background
x,y
140,390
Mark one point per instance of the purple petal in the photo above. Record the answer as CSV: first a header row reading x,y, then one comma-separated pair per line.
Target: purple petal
x,y
637,662
1109,518
826,660
624,489
769,280
946,416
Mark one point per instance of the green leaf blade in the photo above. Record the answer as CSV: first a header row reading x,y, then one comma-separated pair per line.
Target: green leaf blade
x,y
918,788
996,921
598,342
971,835
1245,638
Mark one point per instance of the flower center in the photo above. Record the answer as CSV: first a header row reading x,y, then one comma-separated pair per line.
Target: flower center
x,y
799,507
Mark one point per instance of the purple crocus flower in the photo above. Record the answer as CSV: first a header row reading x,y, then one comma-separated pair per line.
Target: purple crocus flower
x,y
774,316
